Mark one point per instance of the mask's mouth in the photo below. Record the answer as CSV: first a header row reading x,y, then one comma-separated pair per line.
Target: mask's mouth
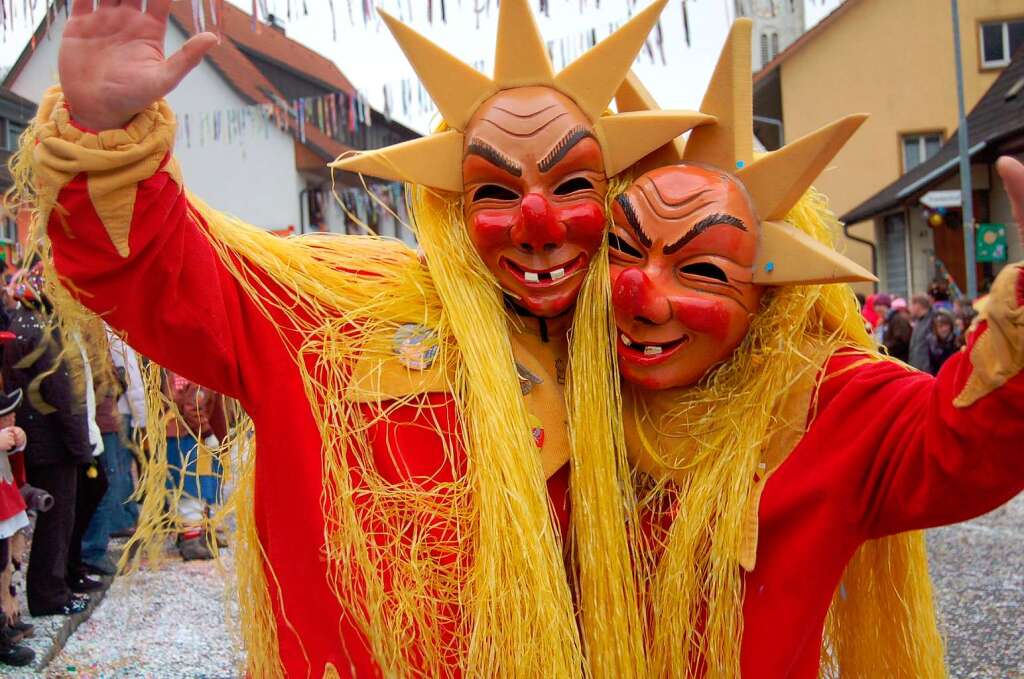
x,y
543,278
649,353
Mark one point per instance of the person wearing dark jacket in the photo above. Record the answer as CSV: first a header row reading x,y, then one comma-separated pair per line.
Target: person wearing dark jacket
x,y
898,331
90,490
942,341
921,312
54,419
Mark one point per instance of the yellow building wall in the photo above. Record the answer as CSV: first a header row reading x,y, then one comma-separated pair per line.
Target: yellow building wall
x,y
894,60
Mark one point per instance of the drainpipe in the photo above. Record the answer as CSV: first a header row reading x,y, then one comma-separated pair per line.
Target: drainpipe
x,y
871,245
303,201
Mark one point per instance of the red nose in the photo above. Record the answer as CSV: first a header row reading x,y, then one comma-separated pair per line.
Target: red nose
x,y
635,295
539,230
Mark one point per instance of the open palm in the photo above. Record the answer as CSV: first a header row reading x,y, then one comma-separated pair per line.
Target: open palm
x,y
112,63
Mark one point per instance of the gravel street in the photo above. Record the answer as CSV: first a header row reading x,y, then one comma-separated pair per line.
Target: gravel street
x,y
173,622
170,623
978,570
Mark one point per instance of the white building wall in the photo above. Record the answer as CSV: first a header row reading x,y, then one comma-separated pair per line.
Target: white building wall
x,y
252,177
40,73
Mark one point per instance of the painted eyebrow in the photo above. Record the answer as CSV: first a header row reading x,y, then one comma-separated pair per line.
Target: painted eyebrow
x,y
718,219
633,219
562,148
494,156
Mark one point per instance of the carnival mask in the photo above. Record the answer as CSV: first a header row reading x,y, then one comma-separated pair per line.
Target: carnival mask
x,y
683,246
697,239
534,195
529,151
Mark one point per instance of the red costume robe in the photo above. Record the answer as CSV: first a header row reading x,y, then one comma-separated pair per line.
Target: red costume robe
x,y
176,303
887,449
887,452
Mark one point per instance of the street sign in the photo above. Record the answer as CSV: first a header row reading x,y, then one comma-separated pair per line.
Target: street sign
x,y
937,199
991,245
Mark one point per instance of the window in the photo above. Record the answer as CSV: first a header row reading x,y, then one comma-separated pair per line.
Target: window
x,y
14,131
896,254
764,49
999,41
918,148
8,231
775,45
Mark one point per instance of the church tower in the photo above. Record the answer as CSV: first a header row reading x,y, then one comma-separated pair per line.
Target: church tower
x,y
777,24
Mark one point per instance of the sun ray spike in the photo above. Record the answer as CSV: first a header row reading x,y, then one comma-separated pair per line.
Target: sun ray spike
x,y
633,97
628,137
434,161
521,57
788,256
456,87
592,80
777,180
730,98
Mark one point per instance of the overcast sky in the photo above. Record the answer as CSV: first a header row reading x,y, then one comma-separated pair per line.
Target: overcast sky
x,y
369,56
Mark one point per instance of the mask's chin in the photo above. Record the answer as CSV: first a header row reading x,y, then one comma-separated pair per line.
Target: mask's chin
x,y
547,306
540,296
655,379
659,366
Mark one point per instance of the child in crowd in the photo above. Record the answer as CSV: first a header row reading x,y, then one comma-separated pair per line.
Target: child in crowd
x,y
194,470
13,519
943,341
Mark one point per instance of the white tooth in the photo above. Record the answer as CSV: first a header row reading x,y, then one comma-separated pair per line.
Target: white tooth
x,y
652,351
558,274
626,341
531,277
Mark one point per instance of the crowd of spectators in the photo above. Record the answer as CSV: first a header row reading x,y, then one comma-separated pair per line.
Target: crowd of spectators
x,y
66,470
923,333
73,416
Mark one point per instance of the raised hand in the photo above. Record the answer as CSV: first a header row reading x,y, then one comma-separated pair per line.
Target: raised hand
x,y
19,437
7,443
112,63
1012,172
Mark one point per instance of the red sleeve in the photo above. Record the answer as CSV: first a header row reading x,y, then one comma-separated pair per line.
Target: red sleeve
x,y
172,296
905,455
18,469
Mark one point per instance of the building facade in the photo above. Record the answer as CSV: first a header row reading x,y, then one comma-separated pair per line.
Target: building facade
x,y
15,113
919,217
894,60
253,136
